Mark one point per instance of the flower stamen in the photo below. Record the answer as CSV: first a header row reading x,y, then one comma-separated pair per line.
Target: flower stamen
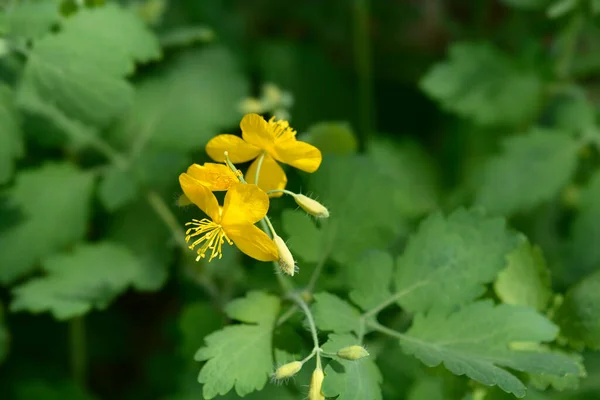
x,y
211,233
281,128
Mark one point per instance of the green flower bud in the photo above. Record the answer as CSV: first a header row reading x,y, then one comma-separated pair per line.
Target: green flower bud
x,y
286,260
311,206
287,370
352,353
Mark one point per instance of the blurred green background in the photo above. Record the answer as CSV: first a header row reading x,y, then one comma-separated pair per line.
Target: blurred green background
x,y
101,108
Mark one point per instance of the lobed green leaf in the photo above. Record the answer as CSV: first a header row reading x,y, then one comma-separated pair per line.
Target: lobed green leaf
x,y
448,260
240,356
350,380
475,341
91,276
55,202
481,83
579,314
526,279
532,169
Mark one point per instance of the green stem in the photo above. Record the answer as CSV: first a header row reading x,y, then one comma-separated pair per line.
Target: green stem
x,y
162,210
281,191
236,171
258,167
311,324
317,272
78,350
569,38
362,54
387,331
287,315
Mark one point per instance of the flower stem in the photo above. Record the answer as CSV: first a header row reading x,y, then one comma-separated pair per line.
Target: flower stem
x,y
287,315
236,171
569,38
311,324
78,350
258,167
162,210
387,331
362,54
281,191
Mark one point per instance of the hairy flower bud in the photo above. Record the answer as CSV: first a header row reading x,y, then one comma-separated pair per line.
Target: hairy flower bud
x,y
286,260
287,370
316,382
311,206
352,353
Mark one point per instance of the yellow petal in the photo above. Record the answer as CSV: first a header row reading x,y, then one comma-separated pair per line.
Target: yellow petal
x,y
200,196
271,175
239,151
244,204
214,176
298,154
253,242
256,131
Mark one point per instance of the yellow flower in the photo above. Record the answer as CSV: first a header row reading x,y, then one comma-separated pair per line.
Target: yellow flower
x,y
215,177
244,205
276,140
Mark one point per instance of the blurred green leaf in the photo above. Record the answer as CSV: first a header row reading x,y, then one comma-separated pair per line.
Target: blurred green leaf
x,y
41,390
350,380
80,70
139,229
194,100
55,201
411,172
360,201
526,279
527,4
560,383
332,137
3,336
30,19
117,188
91,276
369,278
304,71
240,355
481,83
475,341
532,169
307,241
583,250
190,390
574,113
448,260
11,141
195,322
334,314
561,7
150,169
187,36
579,314
428,388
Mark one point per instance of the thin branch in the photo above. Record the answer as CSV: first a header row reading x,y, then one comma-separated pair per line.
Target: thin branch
x,y
287,315
391,300
388,331
311,323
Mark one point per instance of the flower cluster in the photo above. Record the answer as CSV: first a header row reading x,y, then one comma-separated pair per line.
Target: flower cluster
x,y
247,196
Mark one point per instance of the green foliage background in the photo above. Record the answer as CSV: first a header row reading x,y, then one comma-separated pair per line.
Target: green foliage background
x,y
461,171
